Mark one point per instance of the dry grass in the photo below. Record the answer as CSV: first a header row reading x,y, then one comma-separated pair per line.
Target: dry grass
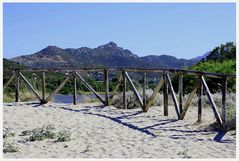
x,y
132,102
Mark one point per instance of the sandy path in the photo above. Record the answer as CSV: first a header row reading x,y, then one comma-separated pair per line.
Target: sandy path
x,y
114,133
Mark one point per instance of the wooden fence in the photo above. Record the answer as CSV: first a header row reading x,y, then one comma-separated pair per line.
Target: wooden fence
x,y
165,81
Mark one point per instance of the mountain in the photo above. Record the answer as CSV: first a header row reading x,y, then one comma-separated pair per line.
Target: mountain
x,y
199,58
167,61
109,55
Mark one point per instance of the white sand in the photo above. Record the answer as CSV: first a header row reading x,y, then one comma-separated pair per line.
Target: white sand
x,y
115,133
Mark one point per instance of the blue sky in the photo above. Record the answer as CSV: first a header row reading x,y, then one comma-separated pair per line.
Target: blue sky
x,y
184,30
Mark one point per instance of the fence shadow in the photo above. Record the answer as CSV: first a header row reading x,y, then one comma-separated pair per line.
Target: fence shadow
x,y
149,130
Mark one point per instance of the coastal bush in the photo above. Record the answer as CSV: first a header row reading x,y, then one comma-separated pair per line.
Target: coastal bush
x,y
132,101
46,132
38,134
63,136
25,95
184,154
88,99
9,147
8,133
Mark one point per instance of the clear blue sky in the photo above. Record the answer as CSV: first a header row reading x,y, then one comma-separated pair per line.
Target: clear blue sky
x,y
182,30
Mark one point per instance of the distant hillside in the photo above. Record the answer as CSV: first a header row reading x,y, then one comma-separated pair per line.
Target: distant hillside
x,y
167,61
7,64
108,55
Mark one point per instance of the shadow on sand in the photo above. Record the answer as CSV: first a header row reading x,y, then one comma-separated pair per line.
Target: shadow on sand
x,y
158,126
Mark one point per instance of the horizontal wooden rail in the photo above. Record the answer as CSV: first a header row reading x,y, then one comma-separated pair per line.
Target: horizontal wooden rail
x,y
171,70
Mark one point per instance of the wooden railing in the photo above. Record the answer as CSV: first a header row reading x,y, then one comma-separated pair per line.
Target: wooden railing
x,y
180,109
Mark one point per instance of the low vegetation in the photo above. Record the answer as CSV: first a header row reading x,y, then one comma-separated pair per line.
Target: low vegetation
x,y
184,154
9,147
132,102
46,132
8,133
63,136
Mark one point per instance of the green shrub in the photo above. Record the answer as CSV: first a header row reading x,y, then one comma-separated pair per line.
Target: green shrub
x,y
38,134
9,147
184,154
47,132
8,133
63,136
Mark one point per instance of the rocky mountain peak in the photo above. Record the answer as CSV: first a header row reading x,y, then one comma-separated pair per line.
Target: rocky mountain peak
x,y
108,45
50,50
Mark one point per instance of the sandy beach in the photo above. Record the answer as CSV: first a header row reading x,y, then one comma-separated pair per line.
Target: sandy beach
x,y
108,132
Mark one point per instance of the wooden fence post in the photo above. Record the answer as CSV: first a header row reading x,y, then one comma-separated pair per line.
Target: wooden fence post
x,y
173,95
165,95
213,105
189,99
144,90
136,93
43,86
224,98
106,81
200,100
124,90
57,89
152,97
30,86
74,88
17,90
9,81
180,92
90,88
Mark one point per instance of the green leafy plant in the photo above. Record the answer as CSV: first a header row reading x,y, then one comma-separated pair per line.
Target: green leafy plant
x,y
8,133
63,136
184,154
38,134
9,147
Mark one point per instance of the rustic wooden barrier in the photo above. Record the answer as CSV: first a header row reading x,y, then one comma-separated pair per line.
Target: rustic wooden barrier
x,y
165,82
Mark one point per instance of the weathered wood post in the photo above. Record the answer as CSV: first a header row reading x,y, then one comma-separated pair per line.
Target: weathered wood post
x,y
74,88
213,105
180,92
9,81
224,98
200,94
106,81
175,101
17,85
165,94
43,87
124,90
144,90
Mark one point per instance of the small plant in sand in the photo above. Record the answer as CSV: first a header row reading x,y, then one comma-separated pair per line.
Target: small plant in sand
x,y
38,134
184,154
8,133
47,132
157,132
26,132
63,136
9,147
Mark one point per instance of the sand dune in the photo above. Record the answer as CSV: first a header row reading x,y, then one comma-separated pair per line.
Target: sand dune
x,y
107,132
